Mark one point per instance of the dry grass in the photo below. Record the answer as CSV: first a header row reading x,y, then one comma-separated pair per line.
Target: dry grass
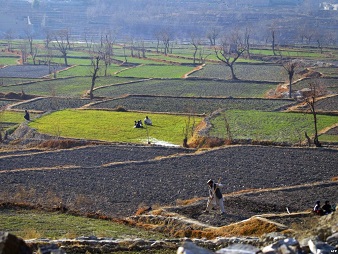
x,y
61,144
252,227
334,179
157,212
207,142
142,210
181,202
31,233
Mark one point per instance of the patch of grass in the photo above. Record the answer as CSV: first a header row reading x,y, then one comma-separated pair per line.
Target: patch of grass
x,y
328,138
270,126
9,60
111,126
29,224
86,70
13,117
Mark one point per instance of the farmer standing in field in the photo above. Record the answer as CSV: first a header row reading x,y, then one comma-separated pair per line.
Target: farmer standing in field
x,y
215,197
26,116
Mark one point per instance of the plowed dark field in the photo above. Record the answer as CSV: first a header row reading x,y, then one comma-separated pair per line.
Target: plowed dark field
x,y
115,180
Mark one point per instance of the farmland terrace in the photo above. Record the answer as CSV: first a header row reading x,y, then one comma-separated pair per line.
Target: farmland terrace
x,y
115,180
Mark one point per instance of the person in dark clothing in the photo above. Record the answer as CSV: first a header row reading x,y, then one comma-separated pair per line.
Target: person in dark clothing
x,y
26,116
138,124
327,208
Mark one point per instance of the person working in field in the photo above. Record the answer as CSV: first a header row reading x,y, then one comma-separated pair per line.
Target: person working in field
x,y
317,209
215,197
327,208
147,121
26,116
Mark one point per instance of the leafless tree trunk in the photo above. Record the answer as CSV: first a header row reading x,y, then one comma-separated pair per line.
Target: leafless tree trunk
x,y
165,36
9,37
228,131
48,59
34,55
247,41
158,40
229,52
203,56
195,42
212,35
316,91
188,130
62,43
95,63
273,30
107,52
290,66
273,41
23,50
48,37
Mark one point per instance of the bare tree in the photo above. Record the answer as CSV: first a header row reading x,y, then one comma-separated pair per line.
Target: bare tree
x,y
166,37
24,53
202,55
273,28
29,36
63,43
228,137
316,90
320,37
247,40
188,130
158,40
196,42
212,35
290,65
9,35
48,59
34,54
230,50
48,37
107,50
96,58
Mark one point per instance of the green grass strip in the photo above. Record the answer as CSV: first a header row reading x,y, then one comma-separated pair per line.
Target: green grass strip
x,y
271,126
29,224
112,126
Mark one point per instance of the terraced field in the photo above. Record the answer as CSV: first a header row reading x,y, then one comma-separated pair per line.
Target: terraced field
x,y
197,105
331,84
189,88
66,87
244,71
46,104
327,104
27,71
133,176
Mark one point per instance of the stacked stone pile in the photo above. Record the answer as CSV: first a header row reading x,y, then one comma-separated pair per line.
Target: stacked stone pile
x,y
10,244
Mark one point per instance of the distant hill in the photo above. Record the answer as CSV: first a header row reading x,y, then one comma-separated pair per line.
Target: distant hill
x,y
144,18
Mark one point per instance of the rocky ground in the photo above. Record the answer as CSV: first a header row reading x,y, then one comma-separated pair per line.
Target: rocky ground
x,y
116,180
